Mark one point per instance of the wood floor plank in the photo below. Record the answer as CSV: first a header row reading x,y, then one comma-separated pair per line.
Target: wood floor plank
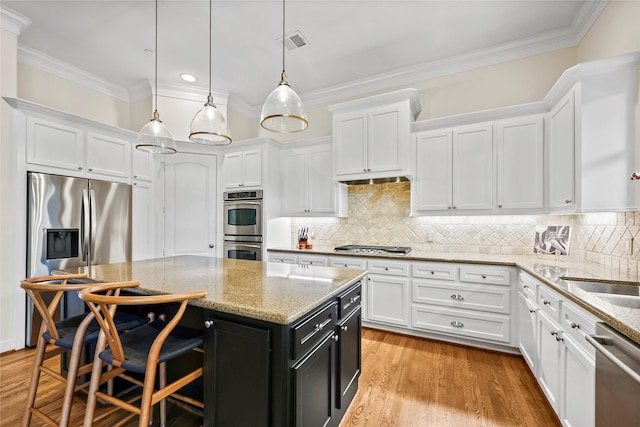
x,y
405,382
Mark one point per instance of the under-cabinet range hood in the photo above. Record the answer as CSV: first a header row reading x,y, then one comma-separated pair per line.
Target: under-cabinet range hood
x,y
375,180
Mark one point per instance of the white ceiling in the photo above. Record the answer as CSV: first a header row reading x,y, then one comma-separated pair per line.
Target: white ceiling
x,y
355,46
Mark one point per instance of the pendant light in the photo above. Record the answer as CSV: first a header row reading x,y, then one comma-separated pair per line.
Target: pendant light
x,y
209,125
283,110
154,137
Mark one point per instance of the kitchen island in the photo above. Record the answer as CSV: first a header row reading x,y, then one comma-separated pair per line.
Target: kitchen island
x,y
282,342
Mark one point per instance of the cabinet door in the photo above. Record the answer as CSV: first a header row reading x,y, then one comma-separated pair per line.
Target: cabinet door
x,y
578,379
314,385
142,165
520,167
238,363
473,167
190,204
142,221
55,145
295,188
349,363
108,156
350,143
387,140
388,299
233,170
561,159
252,168
549,354
527,328
321,187
433,171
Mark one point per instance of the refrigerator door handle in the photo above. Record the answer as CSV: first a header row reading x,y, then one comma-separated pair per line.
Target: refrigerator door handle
x,y
85,224
94,223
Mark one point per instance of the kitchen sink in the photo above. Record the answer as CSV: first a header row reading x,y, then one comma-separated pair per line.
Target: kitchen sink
x,y
620,294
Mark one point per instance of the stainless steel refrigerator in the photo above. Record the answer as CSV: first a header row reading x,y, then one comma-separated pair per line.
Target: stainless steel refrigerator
x,y
73,222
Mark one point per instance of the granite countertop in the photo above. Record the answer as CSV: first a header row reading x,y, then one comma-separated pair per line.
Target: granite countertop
x,y
546,269
273,292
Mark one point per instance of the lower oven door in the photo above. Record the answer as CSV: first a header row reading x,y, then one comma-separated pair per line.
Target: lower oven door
x,y
617,378
243,250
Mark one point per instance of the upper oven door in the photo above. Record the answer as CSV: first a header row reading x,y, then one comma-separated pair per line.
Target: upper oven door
x,y
243,218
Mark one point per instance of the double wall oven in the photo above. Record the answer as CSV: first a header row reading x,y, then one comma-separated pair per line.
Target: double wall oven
x,y
243,224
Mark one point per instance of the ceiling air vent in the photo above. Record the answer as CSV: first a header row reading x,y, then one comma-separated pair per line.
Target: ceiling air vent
x,y
294,40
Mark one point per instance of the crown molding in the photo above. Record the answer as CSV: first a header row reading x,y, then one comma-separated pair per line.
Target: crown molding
x,y
51,65
12,21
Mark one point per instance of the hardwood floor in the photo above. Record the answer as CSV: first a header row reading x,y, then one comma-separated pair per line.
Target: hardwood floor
x,y
405,382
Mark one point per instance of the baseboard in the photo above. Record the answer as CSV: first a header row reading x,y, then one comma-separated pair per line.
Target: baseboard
x,y
6,345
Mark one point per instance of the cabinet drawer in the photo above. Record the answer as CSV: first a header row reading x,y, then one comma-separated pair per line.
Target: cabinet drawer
x,y
284,258
312,330
528,286
466,323
576,323
393,268
549,303
313,260
434,270
495,299
480,274
348,262
349,301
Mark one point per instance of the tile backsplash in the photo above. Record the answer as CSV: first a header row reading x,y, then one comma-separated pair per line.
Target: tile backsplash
x,y
379,215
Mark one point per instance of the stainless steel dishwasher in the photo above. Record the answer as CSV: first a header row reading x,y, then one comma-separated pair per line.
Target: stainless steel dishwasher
x,y
617,378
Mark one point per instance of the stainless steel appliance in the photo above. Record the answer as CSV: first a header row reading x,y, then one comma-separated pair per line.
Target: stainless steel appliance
x,y
243,213
368,249
243,225
73,222
617,378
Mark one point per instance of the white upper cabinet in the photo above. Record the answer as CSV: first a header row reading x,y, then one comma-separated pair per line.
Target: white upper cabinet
x,y
519,167
142,165
309,188
55,144
454,170
108,156
371,135
560,162
243,169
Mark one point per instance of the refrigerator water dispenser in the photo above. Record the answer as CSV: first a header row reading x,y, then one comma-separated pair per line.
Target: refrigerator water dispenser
x,y
62,243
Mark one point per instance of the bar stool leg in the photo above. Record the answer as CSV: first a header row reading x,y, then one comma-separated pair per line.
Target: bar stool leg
x,y
95,382
163,402
35,379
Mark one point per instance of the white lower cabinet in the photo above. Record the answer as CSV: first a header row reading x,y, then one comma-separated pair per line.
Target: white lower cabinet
x,y
578,380
387,299
310,259
527,330
282,257
549,352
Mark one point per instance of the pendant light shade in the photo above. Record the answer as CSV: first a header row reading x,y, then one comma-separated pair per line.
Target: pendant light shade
x,y
283,110
154,137
209,125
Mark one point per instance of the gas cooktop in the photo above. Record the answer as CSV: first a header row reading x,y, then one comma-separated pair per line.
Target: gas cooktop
x,y
365,249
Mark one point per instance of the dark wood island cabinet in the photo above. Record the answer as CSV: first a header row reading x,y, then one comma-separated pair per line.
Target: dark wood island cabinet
x,y
282,342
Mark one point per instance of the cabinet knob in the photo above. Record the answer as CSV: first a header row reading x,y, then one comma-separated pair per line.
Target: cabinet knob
x,y
211,245
499,206
457,297
525,286
208,323
574,325
457,324
90,170
484,276
135,183
546,302
135,176
79,168
454,207
335,338
567,201
433,272
449,207
386,269
345,328
533,310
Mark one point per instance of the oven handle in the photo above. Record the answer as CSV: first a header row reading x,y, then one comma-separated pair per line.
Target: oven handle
x,y
598,341
241,202
249,245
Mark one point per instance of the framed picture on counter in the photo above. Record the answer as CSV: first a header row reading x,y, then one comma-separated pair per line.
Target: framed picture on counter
x,y
552,239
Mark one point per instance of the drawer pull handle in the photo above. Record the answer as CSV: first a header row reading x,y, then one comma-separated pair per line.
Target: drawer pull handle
x,y
318,327
484,276
559,338
546,302
351,301
574,325
457,324
457,297
386,269
208,323
533,310
525,286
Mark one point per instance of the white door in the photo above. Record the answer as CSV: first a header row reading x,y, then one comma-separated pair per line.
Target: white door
x,y
388,299
233,170
321,187
549,353
527,320
385,145
473,167
351,141
561,154
520,164
190,204
108,156
433,171
579,375
295,189
252,168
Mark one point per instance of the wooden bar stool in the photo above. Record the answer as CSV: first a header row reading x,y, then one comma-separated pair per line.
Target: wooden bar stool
x,y
65,336
144,350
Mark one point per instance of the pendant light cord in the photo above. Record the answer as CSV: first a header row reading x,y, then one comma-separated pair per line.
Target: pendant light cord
x,y
156,63
283,21
210,43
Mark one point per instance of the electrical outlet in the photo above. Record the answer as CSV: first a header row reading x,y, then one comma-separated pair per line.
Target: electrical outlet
x,y
430,236
628,246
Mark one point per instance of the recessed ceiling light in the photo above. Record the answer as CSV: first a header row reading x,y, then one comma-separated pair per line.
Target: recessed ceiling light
x,y
187,77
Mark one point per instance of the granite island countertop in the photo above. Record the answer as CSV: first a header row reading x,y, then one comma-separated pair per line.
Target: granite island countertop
x,y
273,292
545,268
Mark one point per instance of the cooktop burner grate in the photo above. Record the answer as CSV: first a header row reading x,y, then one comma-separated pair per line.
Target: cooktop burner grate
x,y
367,249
